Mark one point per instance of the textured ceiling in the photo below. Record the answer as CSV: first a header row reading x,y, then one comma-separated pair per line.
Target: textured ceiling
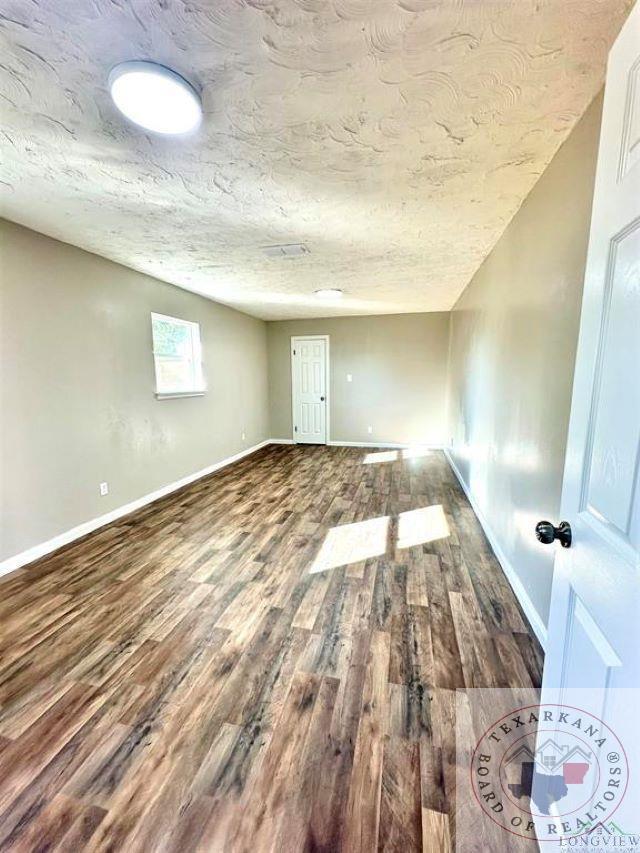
x,y
396,139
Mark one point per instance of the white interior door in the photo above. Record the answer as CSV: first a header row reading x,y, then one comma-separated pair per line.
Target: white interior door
x,y
594,628
309,361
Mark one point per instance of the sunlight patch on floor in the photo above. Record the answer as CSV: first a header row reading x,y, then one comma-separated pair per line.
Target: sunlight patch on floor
x,y
416,452
416,526
350,543
380,456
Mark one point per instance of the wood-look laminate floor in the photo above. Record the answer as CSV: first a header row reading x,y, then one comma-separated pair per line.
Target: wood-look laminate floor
x,y
265,661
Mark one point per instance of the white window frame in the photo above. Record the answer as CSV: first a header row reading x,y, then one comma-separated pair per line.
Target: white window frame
x,y
198,388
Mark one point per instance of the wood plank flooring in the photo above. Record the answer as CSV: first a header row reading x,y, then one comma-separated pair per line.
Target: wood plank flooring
x,y
265,661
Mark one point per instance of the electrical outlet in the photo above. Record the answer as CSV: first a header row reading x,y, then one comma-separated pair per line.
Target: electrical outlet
x,y
104,489
243,435
370,430
349,377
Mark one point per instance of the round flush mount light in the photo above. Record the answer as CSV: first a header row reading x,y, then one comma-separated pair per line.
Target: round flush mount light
x,y
155,97
329,293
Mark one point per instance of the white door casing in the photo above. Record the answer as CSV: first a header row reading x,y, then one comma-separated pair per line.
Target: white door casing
x,y
309,388
594,622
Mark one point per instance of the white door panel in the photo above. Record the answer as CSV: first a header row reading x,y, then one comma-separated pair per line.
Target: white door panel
x,y
594,623
610,462
309,360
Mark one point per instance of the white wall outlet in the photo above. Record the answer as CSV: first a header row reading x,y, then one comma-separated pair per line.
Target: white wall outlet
x,y
370,430
349,377
104,489
243,435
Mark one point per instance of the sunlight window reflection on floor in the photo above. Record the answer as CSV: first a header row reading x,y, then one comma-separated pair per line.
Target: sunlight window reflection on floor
x,y
415,452
417,526
380,456
350,543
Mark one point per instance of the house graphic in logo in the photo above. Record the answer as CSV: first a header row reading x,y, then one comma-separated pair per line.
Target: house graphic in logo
x,y
600,829
604,835
546,774
550,754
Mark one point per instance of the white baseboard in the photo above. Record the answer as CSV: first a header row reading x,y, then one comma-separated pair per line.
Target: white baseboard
x,y
43,548
37,551
394,445
517,586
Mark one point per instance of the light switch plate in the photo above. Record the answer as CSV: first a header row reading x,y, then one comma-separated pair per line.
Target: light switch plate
x,y
349,377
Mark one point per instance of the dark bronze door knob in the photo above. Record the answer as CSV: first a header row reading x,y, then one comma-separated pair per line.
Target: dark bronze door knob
x,y
546,533
322,399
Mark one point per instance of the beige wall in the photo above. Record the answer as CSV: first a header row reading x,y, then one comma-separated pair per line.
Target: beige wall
x,y
513,342
398,363
76,376
77,388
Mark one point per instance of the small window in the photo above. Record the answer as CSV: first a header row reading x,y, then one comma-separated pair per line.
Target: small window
x,y
177,355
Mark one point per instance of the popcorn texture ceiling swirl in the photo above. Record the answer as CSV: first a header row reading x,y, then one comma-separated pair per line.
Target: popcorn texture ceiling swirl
x,y
395,139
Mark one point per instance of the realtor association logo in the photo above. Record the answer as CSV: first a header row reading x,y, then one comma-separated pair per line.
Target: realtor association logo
x,y
546,772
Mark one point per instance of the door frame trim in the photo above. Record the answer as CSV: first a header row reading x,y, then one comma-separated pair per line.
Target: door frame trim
x,y
327,376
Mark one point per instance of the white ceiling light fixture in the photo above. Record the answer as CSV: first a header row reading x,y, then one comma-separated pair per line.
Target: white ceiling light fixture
x,y
155,97
329,293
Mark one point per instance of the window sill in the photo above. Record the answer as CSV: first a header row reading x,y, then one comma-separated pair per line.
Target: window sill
x,y
177,394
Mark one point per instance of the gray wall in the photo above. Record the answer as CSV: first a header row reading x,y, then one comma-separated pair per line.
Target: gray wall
x,y
398,363
513,341
76,376
77,387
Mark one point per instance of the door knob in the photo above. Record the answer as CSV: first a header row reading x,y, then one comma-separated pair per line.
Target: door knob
x,y
546,533
322,399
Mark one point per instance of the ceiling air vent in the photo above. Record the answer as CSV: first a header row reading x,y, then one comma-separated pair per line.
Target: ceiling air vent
x,y
286,250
